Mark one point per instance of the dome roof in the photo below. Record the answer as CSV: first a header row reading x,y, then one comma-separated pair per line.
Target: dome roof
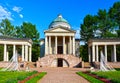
x,y
59,21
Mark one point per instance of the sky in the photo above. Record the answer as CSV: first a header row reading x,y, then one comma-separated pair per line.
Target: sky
x,y
43,12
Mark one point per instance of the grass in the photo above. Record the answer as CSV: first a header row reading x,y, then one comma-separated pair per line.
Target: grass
x,y
36,78
114,76
89,78
14,76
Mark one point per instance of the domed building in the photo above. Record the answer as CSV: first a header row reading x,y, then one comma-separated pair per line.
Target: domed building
x,y
61,47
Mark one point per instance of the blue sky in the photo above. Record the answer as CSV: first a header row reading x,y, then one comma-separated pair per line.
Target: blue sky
x,y
42,12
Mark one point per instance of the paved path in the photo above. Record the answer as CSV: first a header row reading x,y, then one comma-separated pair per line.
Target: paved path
x,y
62,75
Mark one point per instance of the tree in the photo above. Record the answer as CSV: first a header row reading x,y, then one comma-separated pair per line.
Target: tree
x,y
6,29
88,27
28,30
105,25
114,13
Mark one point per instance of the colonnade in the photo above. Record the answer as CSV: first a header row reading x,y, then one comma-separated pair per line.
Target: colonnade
x,y
93,53
26,52
48,44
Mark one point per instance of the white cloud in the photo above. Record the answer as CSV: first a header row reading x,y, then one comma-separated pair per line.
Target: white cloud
x,y
21,16
17,9
4,13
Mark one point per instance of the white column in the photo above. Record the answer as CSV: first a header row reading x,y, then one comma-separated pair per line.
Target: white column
x,y
115,60
23,52
106,52
30,53
70,45
55,44
49,44
89,54
46,45
5,50
97,58
73,45
26,53
93,53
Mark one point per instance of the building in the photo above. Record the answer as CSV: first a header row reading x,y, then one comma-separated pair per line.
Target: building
x,y
59,48
25,44
109,47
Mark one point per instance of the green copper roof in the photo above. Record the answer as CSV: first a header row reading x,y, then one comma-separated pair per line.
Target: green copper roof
x,y
60,19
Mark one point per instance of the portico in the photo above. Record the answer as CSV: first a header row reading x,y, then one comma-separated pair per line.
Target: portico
x,y
95,45
60,44
25,44
59,38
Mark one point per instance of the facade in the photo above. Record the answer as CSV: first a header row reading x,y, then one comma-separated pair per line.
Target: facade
x,y
59,41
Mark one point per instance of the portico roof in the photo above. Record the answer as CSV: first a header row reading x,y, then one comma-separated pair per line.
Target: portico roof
x,y
67,29
5,38
104,40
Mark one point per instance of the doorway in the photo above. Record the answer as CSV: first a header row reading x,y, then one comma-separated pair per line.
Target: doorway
x,y
60,62
60,50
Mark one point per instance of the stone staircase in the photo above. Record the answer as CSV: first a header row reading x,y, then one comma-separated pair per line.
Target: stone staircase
x,y
46,61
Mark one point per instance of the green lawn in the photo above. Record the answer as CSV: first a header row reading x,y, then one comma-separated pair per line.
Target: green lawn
x,y
89,78
14,76
36,78
113,75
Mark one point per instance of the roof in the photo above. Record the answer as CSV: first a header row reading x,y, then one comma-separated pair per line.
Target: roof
x,y
59,21
15,39
104,40
61,28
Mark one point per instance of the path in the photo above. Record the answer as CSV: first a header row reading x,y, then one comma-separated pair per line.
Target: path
x,y
62,75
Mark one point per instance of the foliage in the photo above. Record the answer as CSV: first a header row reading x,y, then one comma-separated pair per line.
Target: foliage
x,y
84,52
113,75
14,76
7,29
102,25
1,52
89,78
114,13
36,78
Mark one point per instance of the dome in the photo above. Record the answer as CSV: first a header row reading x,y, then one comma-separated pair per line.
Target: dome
x,y
59,21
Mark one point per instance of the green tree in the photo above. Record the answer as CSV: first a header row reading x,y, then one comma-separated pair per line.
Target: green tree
x,y
114,13
88,27
84,52
7,29
28,30
105,25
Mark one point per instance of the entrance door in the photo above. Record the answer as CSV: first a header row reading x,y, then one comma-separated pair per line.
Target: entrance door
x,y
60,62
60,49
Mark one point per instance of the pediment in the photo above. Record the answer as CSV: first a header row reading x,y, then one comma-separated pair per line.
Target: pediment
x,y
59,29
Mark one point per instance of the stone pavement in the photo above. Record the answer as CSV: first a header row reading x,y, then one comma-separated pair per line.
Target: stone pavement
x,y
62,75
